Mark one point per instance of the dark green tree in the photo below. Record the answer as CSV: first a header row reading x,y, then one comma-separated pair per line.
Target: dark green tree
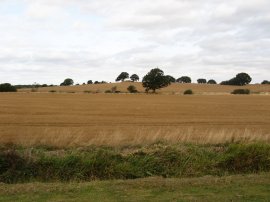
x,y
184,79
67,82
212,81
266,82
201,81
134,77
171,78
155,79
122,76
7,87
90,82
243,79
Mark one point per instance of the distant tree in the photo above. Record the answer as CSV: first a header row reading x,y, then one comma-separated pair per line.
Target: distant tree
x,y
96,82
90,82
241,79
266,82
134,77
184,79
171,78
201,81
132,89
122,76
7,87
212,81
154,80
67,82
44,85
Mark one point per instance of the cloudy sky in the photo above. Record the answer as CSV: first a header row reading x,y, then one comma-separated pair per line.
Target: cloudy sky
x,y
46,41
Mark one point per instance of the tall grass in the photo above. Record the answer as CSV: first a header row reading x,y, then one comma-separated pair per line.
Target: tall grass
x,y
18,164
69,137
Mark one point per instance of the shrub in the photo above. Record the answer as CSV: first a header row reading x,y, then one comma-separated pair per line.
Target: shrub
x,y
241,91
265,82
52,91
108,91
7,87
132,89
188,92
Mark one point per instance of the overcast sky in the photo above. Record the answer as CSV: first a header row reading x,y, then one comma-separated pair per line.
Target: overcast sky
x,y
46,41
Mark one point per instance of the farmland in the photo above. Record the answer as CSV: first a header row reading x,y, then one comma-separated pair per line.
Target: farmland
x,y
66,119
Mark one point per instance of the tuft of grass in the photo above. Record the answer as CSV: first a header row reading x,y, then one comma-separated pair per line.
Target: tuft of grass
x,y
241,91
188,92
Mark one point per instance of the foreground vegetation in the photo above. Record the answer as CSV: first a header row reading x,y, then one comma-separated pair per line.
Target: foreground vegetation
x,y
45,164
229,188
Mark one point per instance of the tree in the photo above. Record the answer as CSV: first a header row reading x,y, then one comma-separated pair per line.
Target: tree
x,y
202,81
154,80
67,82
266,82
134,77
7,87
171,79
212,81
241,79
122,76
184,79
90,82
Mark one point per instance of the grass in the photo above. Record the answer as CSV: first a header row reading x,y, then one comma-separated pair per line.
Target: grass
x,y
117,119
47,164
228,188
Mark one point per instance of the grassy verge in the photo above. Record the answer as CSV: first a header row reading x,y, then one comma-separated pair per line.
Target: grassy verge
x,y
45,164
229,188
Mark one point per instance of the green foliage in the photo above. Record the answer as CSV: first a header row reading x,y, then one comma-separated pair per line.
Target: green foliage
x,y
16,165
122,76
155,79
241,79
202,81
188,92
90,82
134,77
265,82
7,87
132,89
67,82
241,91
171,79
184,79
211,81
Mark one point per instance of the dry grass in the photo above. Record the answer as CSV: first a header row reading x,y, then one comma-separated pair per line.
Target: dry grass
x,y
172,89
108,119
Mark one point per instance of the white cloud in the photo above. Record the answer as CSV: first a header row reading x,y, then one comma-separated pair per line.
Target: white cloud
x,y
98,39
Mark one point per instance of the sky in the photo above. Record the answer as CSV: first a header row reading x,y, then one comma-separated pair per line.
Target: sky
x,y
46,41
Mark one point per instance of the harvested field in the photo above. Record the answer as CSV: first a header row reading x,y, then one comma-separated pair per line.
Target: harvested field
x,y
175,88
124,119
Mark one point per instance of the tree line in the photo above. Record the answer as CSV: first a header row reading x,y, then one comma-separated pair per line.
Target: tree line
x,y
153,80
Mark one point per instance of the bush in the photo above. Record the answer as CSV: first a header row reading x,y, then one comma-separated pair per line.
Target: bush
x,y
132,89
188,92
52,91
241,91
265,82
7,87
108,91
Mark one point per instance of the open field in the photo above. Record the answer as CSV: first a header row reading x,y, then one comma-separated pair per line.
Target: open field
x,y
175,88
230,188
123,119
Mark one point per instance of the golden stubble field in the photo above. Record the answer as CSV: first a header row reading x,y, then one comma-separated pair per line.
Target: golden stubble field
x,y
175,88
64,119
